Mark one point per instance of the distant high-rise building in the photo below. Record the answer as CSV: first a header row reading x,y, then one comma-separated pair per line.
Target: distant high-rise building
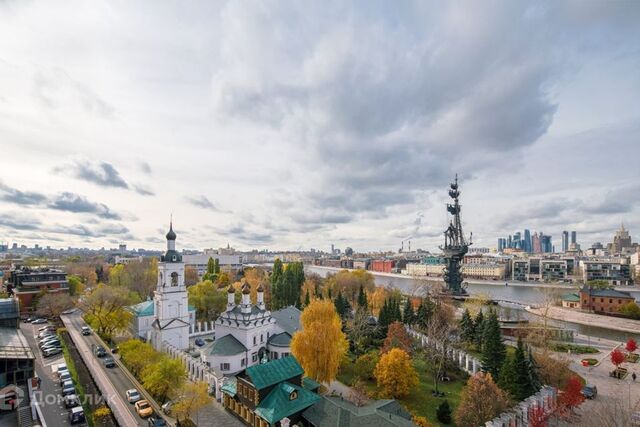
x,y
527,241
565,241
517,242
509,241
536,248
502,244
574,236
545,243
333,250
621,241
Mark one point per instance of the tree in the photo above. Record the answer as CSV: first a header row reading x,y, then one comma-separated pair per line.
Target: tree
x,y
408,316
362,298
76,287
532,368
190,275
321,344
617,357
553,371
478,326
366,364
119,276
571,395
193,397
493,349
208,300
395,374
53,304
631,310
307,299
163,377
438,332
467,327
397,337
444,412
631,345
599,284
480,401
515,376
343,308
137,355
106,310
360,332
276,285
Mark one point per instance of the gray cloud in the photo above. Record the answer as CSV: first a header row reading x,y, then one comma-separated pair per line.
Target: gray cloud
x,y
19,222
18,197
143,191
103,174
145,167
616,201
201,202
71,202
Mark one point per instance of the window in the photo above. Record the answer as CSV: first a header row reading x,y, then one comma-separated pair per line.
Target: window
x,y
254,357
285,354
174,279
261,338
601,299
619,301
255,340
293,395
243,362
224,366
610,300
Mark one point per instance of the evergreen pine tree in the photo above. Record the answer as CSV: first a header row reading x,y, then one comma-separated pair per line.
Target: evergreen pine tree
x,y
493,350
216,267
478,326
397,314
329,293
276,285
362,298
407,313
508,374
211,266
522,381
467,328
339,303
532,369
384,319
444,412
422,315
307,300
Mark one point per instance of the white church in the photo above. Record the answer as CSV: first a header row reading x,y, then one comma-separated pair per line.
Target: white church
x,y
245,334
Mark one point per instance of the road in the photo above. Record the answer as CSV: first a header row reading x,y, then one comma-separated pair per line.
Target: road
x,y
115,381
49,396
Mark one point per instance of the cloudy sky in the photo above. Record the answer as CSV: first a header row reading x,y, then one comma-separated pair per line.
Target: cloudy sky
x,y
288,124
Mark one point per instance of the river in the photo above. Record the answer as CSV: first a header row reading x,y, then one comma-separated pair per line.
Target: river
x,y
512,298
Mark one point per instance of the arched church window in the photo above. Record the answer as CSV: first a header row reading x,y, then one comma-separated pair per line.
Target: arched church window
x,y
174,279
161,279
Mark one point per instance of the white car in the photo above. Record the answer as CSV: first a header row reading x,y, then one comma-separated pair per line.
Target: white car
x,y
39,321
132,395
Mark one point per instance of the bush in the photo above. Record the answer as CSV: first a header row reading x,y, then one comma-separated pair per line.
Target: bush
x,y
576,349
444,412
365,365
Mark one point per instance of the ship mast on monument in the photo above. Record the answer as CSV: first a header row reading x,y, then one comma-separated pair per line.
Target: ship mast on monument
x,y
455,245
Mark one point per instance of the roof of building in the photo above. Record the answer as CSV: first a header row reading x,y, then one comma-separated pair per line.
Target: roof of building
x,y
288,319
13,344
571,297
274,372
229,386
310,384
285,400
334,411
280,340
236,316
147,308
609,293
228,345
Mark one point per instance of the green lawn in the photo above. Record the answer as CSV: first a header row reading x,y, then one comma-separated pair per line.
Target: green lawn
x,y
419,401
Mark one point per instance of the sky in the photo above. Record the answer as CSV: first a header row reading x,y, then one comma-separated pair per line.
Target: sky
x,y
297,125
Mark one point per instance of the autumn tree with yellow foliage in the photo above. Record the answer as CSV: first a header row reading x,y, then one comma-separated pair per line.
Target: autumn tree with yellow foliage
x,y
481,400
321,345
395,374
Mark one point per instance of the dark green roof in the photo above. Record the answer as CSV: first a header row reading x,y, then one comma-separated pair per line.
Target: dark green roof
x,y
228,345
335,411
288,319
571,297
310,384
230,386
280,340
274,372
145,308
285,400
606,293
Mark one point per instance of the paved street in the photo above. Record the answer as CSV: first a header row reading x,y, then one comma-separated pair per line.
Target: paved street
x,y
49,397
116,382
590,319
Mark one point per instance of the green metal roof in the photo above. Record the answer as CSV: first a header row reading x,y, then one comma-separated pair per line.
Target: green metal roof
x,y
288,319
310,384
285,400
571,297
280,340
230,386
228,345
273,372
145,308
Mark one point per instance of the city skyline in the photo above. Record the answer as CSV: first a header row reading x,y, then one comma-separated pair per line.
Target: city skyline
x,y
343,129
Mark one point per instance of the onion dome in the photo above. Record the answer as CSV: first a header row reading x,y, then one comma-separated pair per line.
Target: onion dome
x,y
231,290
246,289
171,235
260,288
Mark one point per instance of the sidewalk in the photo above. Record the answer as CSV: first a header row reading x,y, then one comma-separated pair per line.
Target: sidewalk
x,y
589,319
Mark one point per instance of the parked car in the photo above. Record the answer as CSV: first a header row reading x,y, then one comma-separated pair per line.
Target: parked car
x,y
109,362
71,401
132,395
156,420
30,319
47,333
76,415
68,388
590,391
86,330
51,351
143,408
64,377
199,342
69,311
47,328
61,367
50,347
166,407
39,321
52,340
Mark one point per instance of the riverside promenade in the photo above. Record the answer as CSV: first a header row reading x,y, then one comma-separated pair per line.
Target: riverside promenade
x,y
589,319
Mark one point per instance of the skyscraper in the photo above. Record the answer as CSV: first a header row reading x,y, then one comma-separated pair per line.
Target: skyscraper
x,y
517,243
545,243
535,243
573,237
527,241
565,240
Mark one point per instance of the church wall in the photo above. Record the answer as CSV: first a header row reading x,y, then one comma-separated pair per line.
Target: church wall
x,y
234,361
